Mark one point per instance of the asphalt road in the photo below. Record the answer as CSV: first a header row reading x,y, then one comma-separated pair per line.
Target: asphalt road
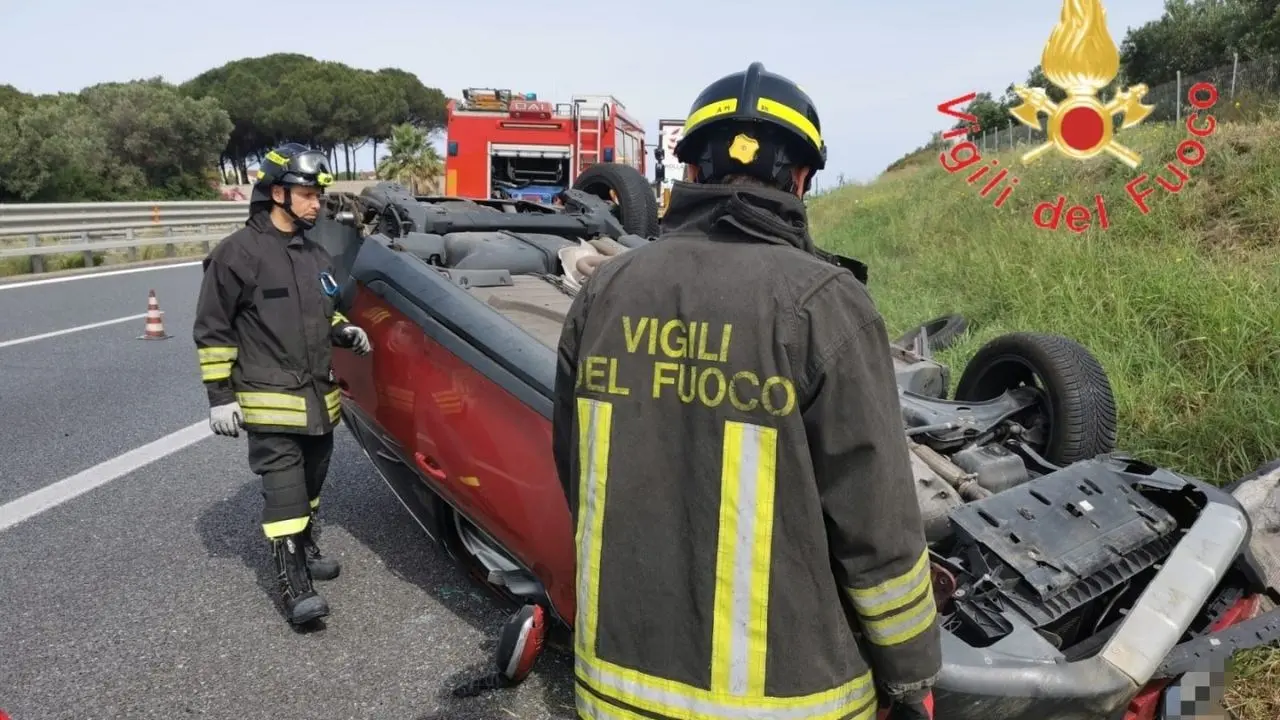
x,y
148,596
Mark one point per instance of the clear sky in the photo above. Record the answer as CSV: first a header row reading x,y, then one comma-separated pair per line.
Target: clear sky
x,y
876,69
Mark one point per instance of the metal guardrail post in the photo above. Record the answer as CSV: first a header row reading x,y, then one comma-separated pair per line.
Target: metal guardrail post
x,y
37,261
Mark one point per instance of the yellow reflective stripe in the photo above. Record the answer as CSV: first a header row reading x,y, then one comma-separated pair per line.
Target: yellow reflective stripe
x,y
315,503
271,400
333,403
280,528
217,354
215,371
900,608
595,425
855,699
895,592
740,637
790,116
900,628
339,318
708,111
277,158
283,418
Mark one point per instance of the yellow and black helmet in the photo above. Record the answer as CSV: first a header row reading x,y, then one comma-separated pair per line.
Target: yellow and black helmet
x,y
294,164
748,113
289,164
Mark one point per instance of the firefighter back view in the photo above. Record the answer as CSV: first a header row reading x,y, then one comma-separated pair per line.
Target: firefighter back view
x,y
265,324
729,436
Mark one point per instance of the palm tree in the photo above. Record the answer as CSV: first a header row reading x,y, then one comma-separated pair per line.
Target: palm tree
x,y
411,160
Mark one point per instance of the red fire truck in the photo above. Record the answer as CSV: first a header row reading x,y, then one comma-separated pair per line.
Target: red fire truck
x,y
513,145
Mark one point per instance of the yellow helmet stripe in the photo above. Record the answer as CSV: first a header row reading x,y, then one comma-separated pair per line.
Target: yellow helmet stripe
x,y
791,117
708,111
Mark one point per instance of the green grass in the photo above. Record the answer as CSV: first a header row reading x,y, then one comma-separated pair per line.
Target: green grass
x,y
1181,306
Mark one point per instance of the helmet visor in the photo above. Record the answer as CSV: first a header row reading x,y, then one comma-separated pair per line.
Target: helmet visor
x,y
311,163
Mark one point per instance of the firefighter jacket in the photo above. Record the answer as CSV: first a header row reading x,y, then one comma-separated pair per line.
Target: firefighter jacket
x,y
264,329
728,432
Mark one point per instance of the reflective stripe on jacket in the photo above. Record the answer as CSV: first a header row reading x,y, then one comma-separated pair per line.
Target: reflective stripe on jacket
x,y
264,330
729,436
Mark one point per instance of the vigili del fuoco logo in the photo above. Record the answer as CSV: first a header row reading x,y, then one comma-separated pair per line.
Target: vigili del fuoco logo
x,y
1081,59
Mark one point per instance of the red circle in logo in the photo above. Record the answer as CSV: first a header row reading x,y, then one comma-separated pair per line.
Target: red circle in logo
x,y
1082,128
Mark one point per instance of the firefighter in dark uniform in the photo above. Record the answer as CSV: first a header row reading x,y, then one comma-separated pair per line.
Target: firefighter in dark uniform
x,y
728,432
265,324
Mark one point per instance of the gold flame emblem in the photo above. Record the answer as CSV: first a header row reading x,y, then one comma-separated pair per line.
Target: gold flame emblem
x,y
1081,59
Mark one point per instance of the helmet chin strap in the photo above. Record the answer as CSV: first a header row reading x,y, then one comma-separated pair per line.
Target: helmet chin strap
x,y
287,206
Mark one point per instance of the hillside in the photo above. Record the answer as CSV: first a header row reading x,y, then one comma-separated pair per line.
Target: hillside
x,y
1181,306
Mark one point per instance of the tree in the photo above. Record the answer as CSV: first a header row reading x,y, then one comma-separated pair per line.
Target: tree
x,y
170,138
1195,35
291,97
411,159
57,150
990,113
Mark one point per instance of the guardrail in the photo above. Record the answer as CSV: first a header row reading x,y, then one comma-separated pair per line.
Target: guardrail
x,y
39,229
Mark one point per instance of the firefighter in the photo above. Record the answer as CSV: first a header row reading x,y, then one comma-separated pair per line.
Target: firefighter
x,y
728,433
265,324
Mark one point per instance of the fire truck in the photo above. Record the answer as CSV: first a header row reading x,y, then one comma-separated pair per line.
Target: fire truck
x,y
504,144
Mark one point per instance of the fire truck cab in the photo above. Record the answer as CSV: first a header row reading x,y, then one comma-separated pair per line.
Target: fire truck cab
x,y
504,144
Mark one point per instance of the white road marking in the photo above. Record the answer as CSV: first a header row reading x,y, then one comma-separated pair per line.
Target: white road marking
x,y
90,276
68,331
34,503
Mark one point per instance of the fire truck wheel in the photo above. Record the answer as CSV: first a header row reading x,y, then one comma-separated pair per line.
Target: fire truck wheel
x,y
635,206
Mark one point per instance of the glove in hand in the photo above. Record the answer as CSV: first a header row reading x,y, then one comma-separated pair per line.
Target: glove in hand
x,y
358,340
226,419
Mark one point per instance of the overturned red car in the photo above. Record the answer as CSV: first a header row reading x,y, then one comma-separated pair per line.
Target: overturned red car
x,y
1073,581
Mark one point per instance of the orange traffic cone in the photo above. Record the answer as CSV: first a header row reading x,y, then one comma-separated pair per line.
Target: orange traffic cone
x,y
155,320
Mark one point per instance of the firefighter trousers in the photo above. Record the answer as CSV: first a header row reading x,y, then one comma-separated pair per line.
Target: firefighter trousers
x,y
293,468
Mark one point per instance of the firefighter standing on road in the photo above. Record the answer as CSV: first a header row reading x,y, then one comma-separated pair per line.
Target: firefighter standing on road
x,y
728,433
265,323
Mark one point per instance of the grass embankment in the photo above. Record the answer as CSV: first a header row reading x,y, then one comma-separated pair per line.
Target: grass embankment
x,y
1181,306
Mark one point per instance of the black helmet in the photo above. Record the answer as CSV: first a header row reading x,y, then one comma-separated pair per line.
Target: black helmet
x,y
740,114
290,164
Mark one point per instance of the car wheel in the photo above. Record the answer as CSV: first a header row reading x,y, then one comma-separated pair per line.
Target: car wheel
x,y
628,190
1076,417
942,332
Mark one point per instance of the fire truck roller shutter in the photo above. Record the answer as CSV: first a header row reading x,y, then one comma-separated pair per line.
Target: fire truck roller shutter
x,y
636,205
531,151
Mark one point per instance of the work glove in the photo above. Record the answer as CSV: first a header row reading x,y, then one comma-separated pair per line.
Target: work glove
x,y
357,339
225,419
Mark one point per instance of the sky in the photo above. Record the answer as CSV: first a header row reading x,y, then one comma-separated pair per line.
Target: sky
x,y
876,69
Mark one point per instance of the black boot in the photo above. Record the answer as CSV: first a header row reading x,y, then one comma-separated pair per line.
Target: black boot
x,y
321,567
301,602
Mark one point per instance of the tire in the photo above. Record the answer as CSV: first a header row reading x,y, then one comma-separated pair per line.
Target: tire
x,y
637,208
1078,405
943,332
